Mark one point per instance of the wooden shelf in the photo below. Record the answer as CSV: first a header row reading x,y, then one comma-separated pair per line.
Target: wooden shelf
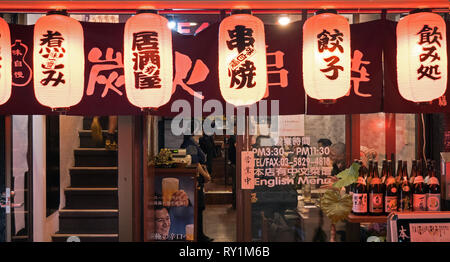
x,y
366,219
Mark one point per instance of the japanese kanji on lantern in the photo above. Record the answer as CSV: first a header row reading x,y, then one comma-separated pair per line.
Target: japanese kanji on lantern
x,y
58,61
242,59
148,62
421,57
5,62
326,56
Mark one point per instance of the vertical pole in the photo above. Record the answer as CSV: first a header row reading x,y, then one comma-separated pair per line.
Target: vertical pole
x,y
244,212
126,179
137,145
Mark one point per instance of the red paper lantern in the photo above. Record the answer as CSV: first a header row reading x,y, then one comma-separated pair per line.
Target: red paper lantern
x,y
422,57
326,56
242,59
5,62
58,61
148,61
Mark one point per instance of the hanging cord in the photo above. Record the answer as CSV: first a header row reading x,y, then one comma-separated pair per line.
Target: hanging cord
x,y
424,139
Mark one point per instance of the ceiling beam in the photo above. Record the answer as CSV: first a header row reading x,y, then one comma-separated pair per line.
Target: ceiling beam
x,y
128,6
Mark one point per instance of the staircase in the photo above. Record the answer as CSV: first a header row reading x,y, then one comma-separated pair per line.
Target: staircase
x,y
91,212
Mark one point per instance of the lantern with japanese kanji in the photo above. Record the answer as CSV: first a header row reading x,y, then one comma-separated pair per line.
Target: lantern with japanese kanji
x,y
242,59
421,57
148,60
5,62
326,56
58,61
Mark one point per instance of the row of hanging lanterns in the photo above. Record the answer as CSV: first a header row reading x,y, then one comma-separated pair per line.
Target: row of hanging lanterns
x,y
148,65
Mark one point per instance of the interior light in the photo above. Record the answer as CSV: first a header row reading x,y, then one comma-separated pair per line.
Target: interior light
x,y
284,20
171,24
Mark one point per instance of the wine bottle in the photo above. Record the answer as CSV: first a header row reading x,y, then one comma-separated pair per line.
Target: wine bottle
x,y
405,191
413,172
376,193
428,172
419,195
384,170
352,186
391,193
398,177
360,195
369,175
433,191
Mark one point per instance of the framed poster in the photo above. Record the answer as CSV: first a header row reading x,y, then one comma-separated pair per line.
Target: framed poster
x,y
172,215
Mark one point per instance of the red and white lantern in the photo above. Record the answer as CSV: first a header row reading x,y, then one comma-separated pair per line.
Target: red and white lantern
x,y
148,61
242,59
58,61
422,57
326,56
5,62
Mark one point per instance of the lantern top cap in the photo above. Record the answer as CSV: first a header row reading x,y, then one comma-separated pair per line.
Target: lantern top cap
x,y
326,11
241,11
415,11
58,12
147,11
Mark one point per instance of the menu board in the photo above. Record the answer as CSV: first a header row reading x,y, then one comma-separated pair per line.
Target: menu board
x,y
419,227
430,232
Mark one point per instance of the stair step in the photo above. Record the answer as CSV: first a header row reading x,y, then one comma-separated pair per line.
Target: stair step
x,y
84,221
95,157
91,198
87,121
86,139
218,197
86,237
93,177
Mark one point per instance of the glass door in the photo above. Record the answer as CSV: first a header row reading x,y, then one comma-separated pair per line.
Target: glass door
x,y
16,179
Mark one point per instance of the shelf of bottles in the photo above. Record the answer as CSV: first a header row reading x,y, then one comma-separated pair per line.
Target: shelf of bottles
x,y
375,196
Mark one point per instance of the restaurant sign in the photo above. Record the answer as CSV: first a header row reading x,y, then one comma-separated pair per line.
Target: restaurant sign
x,y
115,81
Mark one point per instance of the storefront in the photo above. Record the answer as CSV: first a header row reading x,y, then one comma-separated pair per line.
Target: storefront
x,y
296,100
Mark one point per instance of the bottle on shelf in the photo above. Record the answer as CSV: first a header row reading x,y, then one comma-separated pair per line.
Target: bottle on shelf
x,y
360,195
384,171
390,168
376,193
413,172
369,174
433,190
419,194
352,186
364,169
398,177
427,173
405,191
390,193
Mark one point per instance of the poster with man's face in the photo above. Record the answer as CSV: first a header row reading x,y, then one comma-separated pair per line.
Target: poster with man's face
x,y
174,208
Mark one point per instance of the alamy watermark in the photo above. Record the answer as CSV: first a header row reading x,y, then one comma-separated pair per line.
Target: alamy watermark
x,y
230,120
